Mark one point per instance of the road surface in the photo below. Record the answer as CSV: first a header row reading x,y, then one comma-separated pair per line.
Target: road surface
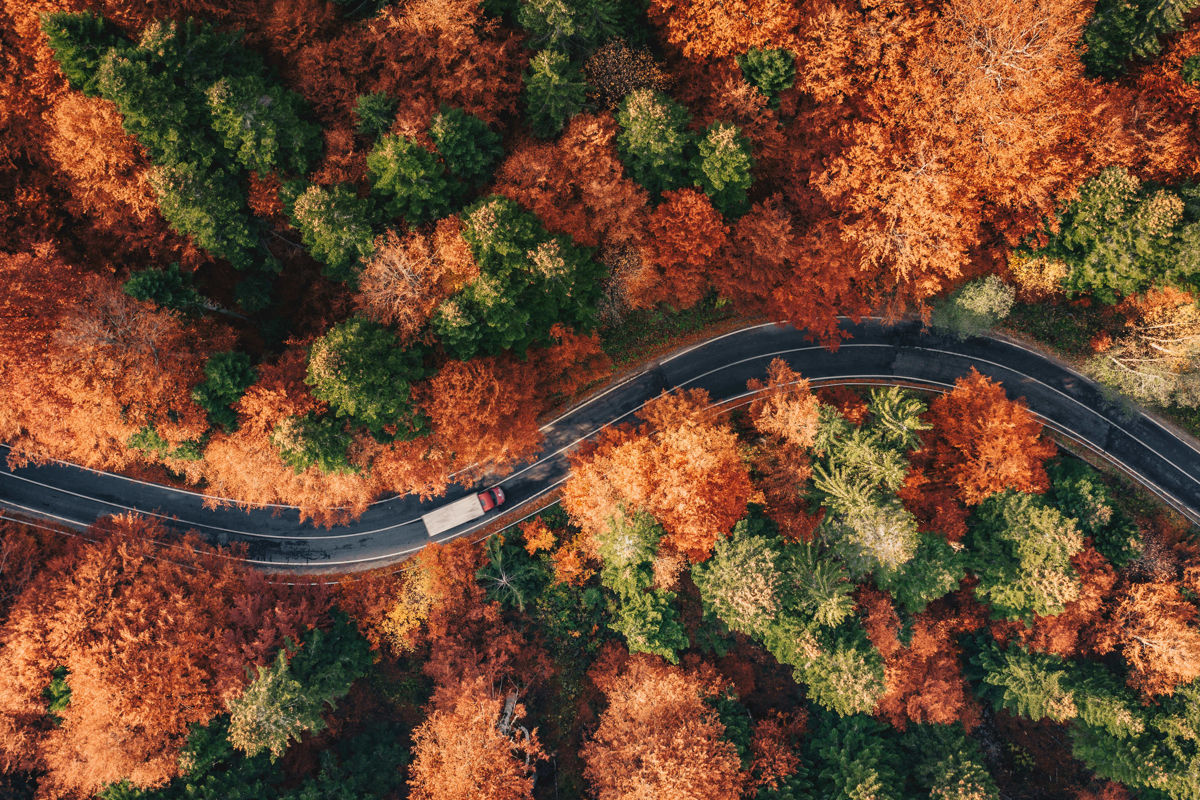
x,y
1073,406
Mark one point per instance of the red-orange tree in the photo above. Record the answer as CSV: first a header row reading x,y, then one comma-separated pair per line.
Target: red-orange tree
x,y
982,442
658,738
683,466
1005,123
468,748
1154,628
711,29
684,234
150,646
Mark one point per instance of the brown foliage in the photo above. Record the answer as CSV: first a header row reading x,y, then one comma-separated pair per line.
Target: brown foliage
x,y
1005,125
484,411
934,503
1072,632
408,276
439,51
982,442
616,69
683,466
1154,629
465,633
773,749
785,406
577,185
684,234
80,375
570,364
924,679
151,646
658,738
709,29
461,753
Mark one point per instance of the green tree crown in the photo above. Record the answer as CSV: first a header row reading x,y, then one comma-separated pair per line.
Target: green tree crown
x,y
554,91
772,71
654,143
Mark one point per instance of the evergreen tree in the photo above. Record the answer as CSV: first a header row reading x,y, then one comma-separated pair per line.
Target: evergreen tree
x,y
878,537
1105,703
528,281
1122,30
647,618
771,71
814,587
336,227
227,376
208,205
843,672
855,759
309,441
1029,684
649,621
272,711
1164,760
654,143
375,113
360,370
574,26
627,547
554,91
79,41
896,417
167,288
510,575
740,582
935,570
1189,70
1078,491
722,168
1119,237
947,764
410,178
468,147
1020,548
975,308
263,125
289,697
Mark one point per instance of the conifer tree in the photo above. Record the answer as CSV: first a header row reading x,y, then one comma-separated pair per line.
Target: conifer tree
x,y
654,142
554,92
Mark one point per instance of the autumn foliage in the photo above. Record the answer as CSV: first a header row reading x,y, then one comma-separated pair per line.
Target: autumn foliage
x,y
657,738
460,752
983,442
682,465
153,637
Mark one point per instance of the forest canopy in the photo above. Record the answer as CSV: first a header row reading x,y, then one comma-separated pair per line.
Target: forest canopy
x,y
312,252
860,616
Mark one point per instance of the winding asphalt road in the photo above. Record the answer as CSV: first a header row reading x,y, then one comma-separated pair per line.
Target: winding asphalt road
x,y
1071,405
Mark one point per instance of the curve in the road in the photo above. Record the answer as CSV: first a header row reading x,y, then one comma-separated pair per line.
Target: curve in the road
x,y
1068,403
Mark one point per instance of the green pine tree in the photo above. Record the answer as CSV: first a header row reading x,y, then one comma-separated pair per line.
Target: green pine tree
x,y
722,167
654,143
554,91
360,370
167,288
336,226
771,71
227,376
